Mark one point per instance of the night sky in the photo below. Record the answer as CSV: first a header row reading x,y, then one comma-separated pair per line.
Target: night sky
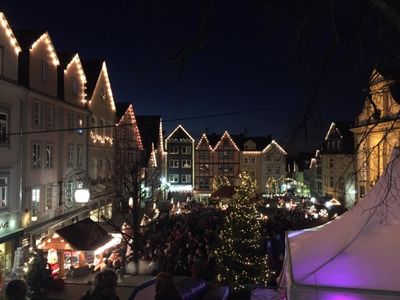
x,y
269,60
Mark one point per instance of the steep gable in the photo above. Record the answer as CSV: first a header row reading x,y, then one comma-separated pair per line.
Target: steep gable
x,y
225,141
10,50
274,146
129,119
179,134
203,143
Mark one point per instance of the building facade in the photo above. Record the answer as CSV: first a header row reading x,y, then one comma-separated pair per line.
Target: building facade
x,y
377,128
179,165
337,159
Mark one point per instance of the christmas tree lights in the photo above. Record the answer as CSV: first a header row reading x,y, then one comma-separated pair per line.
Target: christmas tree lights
x,y
240,257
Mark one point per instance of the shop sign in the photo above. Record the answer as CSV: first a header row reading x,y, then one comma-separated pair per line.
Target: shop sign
x,y
8,223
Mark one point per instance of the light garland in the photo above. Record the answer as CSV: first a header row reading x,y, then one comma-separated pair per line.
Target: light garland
x,y
226,135
45,37
100,138
108,85
9,33
204,137
129,113
179,127
274,143
76,60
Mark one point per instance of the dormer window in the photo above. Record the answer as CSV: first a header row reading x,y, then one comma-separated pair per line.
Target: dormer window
x,y
75,86
44,71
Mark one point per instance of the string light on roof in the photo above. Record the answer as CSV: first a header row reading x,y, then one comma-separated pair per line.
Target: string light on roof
x,y
9,33
226,134
273,143
204,137
181,127
108,85
45,37
76,60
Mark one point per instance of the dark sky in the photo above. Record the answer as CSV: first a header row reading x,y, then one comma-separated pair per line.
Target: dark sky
x,y
184,58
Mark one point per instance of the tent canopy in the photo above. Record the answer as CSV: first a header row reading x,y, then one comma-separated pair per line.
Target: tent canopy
x,y
357,252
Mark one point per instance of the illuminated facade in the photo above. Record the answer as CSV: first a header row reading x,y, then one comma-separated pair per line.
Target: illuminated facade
x,y
179,163
377,128
337,164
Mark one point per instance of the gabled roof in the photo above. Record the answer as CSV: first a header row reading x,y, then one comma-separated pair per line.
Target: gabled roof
x,y
339,130
226,135
9,33
29,39
128,117
179,133
260,141
213,139
92,69
149,127
121,109
202,140
273,143
66,57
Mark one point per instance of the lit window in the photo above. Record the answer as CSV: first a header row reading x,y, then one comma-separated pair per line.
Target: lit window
x,y
186,163
49,155
35,198
36,155
3,190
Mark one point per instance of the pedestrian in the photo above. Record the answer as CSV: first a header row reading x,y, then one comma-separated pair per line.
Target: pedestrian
x,y
16,289
104,286
166,288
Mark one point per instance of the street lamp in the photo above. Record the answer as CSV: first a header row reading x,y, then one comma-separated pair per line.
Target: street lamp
x,y
76,188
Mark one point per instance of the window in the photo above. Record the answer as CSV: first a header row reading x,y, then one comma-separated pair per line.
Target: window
x,y
331,182
186,178
173,178
102,127
75,86
203,182
246,160
174,150
4,128
44,74
80,125
93,123
36,155
269,169
253,160
331,165
277,169
204,155
70,155
186,150
37,114
49,116
35,198
49,155
70,121
225,154
49,197
174,163
79,155
3,190
186,163
253,174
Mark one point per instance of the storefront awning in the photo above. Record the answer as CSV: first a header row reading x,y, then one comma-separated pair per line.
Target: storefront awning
x,y
85,235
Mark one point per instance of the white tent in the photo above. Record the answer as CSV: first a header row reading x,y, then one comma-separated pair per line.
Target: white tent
x,y
356,256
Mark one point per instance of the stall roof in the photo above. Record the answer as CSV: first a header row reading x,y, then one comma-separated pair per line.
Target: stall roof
x,y
85,235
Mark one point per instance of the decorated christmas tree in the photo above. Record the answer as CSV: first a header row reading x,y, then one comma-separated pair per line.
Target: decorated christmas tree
x,y
240,257
38,276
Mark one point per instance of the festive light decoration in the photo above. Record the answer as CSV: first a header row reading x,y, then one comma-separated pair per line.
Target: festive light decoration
x,y
205,139
10,34
240,258
46,37
333,126
108,85
272,144
129,118
226,135
100,138
75,60
179,127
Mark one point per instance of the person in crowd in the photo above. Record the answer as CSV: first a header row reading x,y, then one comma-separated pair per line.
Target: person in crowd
x,y
166,288
104,286
16,289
